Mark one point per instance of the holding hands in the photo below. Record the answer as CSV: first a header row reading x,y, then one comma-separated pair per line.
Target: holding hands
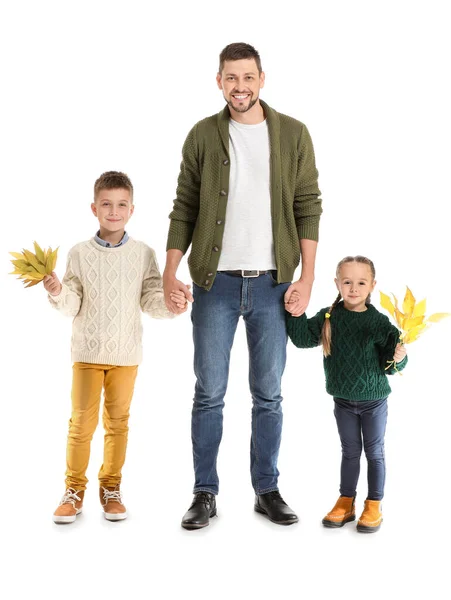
x,y
176,295
297,297
179,299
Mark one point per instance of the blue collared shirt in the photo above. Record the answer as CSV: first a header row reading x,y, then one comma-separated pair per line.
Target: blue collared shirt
x,y
99,240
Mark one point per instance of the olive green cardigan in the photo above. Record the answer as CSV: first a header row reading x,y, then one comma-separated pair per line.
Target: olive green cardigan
x,y
200,207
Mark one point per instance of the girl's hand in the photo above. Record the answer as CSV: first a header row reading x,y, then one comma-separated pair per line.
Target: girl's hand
x,y
300,292
294,297
400,353
52,284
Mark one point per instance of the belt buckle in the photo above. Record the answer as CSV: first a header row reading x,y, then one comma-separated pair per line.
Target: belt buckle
x,y
244,271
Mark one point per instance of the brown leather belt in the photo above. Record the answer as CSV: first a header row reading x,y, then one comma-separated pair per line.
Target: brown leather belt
x,y
246,273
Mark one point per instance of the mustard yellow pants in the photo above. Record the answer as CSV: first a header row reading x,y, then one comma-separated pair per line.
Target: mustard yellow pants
x,y
118,384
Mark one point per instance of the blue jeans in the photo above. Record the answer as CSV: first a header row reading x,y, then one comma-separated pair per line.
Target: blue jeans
x,y
356,420
215,316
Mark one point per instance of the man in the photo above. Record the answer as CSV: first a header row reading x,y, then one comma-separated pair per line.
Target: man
x,y
248,202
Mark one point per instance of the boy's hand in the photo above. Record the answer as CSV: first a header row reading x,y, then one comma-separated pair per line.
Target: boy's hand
x,y
172,285
52,284
179,299
400,353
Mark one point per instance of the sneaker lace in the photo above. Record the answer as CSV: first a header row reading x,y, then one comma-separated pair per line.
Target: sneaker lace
x,y
114,495
70,497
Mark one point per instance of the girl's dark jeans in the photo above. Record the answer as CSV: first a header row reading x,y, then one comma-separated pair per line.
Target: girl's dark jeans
x,y
362,424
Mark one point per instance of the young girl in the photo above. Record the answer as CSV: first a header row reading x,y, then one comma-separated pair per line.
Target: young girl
x,y
358,341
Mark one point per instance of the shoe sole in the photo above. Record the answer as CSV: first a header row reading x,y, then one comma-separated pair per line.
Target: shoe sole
x,y
335,524
115,516
366,529
262,512
193,526
69,519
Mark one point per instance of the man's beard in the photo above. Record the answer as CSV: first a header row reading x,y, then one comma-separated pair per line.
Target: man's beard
x,y
242,109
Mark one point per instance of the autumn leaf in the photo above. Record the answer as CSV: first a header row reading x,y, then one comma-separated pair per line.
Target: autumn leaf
x,y
436,317
32,283
413,334
420,309
408,304
412,323
51,261
39,253
32,268
399,318
387,303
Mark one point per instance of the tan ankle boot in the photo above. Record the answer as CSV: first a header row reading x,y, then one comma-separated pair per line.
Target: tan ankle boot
x,y
371,518
69,507
113,507
342,512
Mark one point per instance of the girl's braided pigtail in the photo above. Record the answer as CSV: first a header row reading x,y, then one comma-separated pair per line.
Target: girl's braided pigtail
x,y
326,333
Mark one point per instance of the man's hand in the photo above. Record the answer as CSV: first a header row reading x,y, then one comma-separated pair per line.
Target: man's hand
x,y
52,284
172,285
297,297
400,353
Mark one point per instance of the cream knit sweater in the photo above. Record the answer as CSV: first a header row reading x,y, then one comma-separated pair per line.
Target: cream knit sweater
x,y
105,289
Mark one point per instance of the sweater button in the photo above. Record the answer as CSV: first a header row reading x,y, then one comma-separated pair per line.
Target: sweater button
x,y
209,274
206,282
218,222
223,193
225,162
215,249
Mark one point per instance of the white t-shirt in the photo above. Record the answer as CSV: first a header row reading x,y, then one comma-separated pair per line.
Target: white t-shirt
x,y
248,238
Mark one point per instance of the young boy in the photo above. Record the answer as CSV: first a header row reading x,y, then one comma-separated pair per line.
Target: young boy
x,y
108,280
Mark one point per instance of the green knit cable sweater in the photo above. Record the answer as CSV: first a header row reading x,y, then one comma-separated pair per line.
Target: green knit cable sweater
x,y
362,343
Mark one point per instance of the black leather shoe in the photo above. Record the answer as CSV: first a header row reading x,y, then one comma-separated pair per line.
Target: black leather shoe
x,y
200,511
275,508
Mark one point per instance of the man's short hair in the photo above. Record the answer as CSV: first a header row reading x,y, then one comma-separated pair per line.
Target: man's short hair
x,y
112,180
238,51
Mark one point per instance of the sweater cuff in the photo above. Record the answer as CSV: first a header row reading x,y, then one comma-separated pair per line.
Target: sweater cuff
x,y
397,367
57,299
309,229
180,235
400,366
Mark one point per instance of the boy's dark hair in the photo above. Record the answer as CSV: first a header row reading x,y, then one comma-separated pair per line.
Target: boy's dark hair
x,y
238,51
111,180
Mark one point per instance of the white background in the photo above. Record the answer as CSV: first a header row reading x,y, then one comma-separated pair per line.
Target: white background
x,y
94,86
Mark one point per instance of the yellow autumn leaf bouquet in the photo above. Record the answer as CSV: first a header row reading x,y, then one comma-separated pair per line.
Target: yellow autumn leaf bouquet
x,y
32,268
412,319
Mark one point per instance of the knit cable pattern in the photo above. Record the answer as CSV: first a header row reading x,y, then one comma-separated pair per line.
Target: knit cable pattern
x,y
362,342
105,289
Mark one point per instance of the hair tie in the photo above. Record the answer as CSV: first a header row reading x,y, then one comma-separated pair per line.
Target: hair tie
x,y
327,315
